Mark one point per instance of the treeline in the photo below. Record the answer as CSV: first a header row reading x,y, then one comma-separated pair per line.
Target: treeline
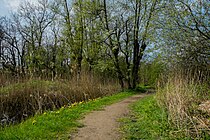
x,y
61,38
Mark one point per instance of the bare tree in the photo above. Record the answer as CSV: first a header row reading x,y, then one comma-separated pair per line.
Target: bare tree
x,y
33,22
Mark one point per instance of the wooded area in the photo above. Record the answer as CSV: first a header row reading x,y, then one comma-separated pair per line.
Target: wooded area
x,y
80,49
61,37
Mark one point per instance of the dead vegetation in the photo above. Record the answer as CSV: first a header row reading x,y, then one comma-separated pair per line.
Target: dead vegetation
x,y
26,98
187,104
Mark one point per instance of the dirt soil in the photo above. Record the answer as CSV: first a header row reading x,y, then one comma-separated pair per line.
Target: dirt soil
x,y
104,124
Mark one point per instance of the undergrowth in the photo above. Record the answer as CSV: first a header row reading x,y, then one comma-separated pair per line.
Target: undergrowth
x,y
183,99
21,100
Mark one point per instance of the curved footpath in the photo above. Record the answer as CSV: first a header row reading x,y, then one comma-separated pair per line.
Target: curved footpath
x,y
104,124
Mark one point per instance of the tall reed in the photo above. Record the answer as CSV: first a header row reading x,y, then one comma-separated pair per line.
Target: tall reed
x,y
181,96
23,99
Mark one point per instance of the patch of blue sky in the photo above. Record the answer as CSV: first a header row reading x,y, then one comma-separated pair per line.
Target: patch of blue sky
x,y
9,6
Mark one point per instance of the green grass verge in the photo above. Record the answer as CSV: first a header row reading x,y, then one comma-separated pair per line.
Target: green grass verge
x,y
147,121
57,124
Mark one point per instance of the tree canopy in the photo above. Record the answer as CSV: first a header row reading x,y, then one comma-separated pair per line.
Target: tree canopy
x,y
106,37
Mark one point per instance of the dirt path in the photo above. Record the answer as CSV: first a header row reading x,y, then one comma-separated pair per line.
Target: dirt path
x,y
104,125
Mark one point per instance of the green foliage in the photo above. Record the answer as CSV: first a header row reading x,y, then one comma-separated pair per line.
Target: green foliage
x,y
185,36
142,88
147,121
150,71
57,124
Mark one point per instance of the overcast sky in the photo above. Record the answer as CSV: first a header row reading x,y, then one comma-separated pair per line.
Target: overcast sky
x,y
8,6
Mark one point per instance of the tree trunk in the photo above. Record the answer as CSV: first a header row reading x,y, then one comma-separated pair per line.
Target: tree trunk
x,y
115,52
136,45
119,72
135,64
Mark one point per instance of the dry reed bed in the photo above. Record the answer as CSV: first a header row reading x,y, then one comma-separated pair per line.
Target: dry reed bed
x,y
181,97
22,100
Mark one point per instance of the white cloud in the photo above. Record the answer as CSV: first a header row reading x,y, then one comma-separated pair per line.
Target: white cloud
x,y
8,6
13,4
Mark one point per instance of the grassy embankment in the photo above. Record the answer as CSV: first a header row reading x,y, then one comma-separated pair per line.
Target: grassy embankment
x,y
57,124
153,117
147,121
